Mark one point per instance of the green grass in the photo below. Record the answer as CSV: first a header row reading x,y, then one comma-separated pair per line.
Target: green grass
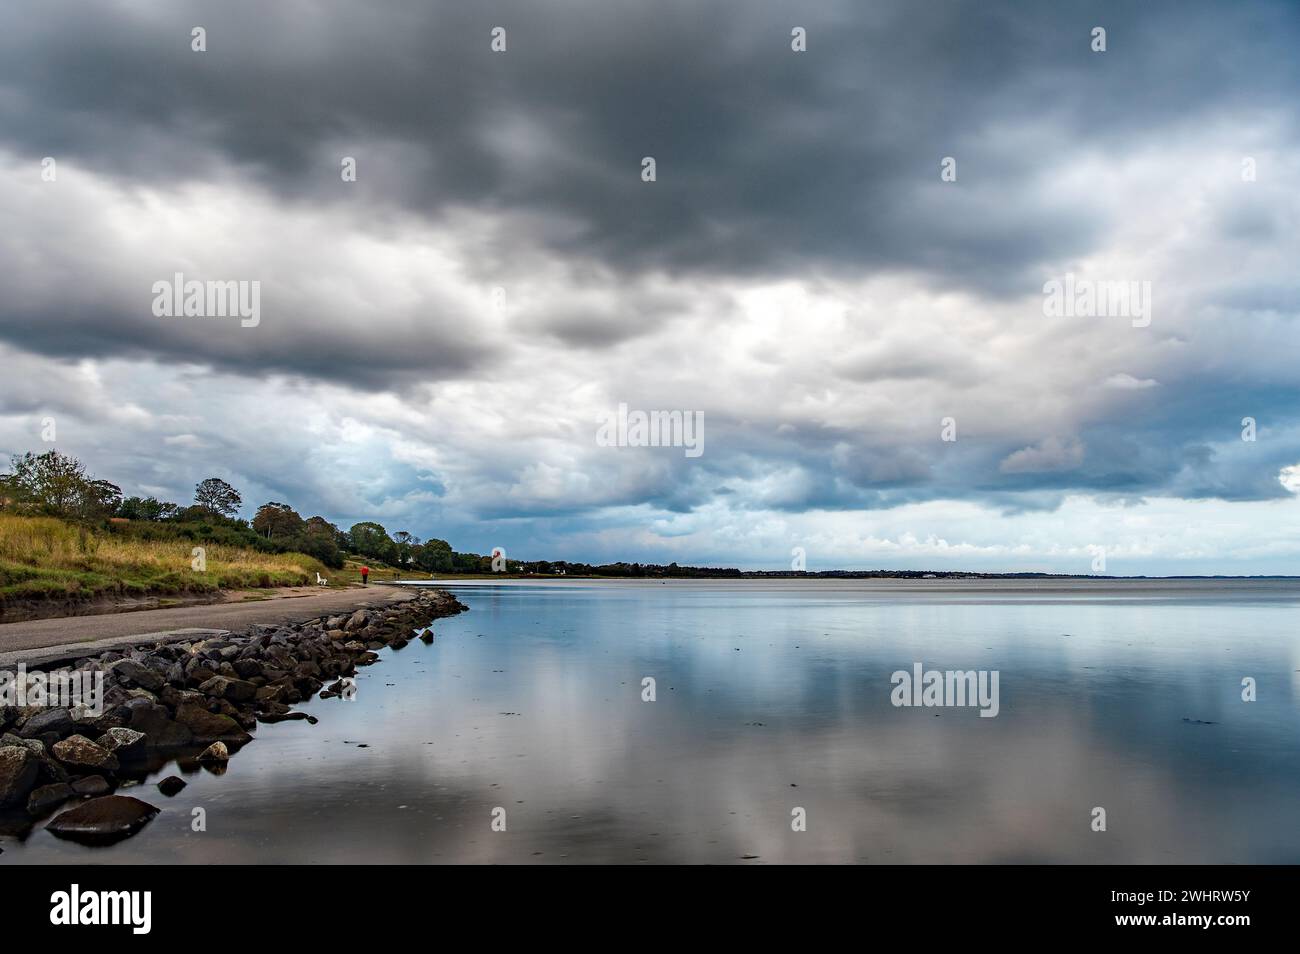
x,y
42,558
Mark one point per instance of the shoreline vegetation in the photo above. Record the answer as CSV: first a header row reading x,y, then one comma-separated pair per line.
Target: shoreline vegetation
x,y
68,540
193,701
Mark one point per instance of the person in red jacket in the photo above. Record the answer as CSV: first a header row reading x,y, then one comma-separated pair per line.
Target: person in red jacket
x,y
365,572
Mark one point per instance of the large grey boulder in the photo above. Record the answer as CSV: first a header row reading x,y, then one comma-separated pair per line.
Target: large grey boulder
x,y
19,766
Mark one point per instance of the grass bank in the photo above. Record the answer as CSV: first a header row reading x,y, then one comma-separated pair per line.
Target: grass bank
x,y
44,558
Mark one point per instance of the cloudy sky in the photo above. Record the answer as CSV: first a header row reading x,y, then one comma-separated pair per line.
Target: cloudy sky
x,y
439,338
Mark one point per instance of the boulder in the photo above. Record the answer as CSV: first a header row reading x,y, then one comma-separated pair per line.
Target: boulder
x,y
42,799
171,785
103,820
122,740
270,694
248,668
160,730
57,721
208,726
18,769
92,785
216,752
80,754
36,745
273,717
133,672
50,771
233,690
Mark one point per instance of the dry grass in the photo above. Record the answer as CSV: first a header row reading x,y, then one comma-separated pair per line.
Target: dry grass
x,y
42,557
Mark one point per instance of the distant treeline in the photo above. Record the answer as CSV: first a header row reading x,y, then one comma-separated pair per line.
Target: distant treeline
x,y
57,485
54,484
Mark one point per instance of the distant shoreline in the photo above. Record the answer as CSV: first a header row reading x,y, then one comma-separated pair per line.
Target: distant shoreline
x,y
830,575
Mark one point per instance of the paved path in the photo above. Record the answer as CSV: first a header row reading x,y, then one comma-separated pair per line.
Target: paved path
x,y
46,640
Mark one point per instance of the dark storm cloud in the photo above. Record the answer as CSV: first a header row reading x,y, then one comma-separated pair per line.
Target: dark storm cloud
x,y
767,160
818,169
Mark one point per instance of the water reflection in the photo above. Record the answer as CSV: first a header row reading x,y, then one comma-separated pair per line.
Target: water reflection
x,y
771,699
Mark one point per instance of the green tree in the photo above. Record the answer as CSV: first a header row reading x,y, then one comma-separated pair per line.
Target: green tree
x,y
146,508
372,540
433,556
217,498
56,484
97,500
45,483
277,520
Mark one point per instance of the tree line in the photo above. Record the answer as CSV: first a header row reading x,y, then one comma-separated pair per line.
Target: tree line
x,y
57,485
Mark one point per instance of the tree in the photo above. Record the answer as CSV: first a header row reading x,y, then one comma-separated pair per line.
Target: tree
x,y
319,538
406,544
146,508
320,527
97,500
433,556
46,483
217,498
56,484
277,520
370,539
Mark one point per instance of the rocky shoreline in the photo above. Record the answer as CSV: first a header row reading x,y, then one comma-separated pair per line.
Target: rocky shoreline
x,y
182,700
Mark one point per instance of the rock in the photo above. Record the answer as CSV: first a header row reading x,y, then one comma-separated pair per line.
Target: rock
x,y
208,726
307,669
103,820
248,668
355,621
58,721
199,675
115,716
18,769
36,745
142,676
122,740
273,717
50,771
233,690
270,694
426,637
78,752
216,752
46,797
171,785
92,785
160,730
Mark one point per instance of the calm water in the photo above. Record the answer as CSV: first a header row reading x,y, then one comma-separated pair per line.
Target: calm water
x,y
772,697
